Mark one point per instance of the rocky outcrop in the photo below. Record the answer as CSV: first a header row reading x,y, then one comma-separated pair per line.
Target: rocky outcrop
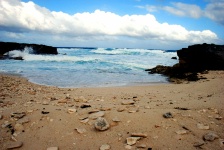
x,y
192,60
37,49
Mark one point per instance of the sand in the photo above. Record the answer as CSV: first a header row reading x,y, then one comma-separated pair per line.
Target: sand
x,y
60,117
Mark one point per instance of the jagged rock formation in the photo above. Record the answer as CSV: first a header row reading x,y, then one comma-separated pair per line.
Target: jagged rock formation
x,y
192,60
37,49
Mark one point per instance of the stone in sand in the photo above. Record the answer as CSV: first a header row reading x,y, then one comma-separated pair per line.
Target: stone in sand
x,y
17,116
19,127
14,145
105,147
168,115
1,117
127,102
210,136
181,132
202,126
52,148
132,140
144,135
23,120
96,115
81,130
71,110
101,124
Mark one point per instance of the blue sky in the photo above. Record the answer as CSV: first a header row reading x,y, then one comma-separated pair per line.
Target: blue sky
x,y
160,24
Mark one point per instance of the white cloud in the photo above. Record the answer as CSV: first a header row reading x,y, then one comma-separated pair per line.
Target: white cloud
x,y
182,9
215,11
16,16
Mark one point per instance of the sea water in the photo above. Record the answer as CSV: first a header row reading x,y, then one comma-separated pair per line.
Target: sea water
x,y
89,67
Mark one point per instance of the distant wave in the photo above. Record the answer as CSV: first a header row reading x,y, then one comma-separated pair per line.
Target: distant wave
x,y
125,51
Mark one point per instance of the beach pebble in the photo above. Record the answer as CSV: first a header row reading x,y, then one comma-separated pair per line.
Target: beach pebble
x,y
45,103
120,109
71,110
105,147
141,146
202,126
144,135
14,145
127,102
85,105
17,116
19,127
52,148
128,147
101,124
198,144
115,119
97,115
23,120
132,140
168,115
180,132
80,130
210,136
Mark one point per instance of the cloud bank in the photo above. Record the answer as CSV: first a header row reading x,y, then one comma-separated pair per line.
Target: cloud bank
x,y
213,10
19,18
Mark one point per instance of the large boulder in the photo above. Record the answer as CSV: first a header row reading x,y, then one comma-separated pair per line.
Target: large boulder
x,y
202,57
37,49
192,60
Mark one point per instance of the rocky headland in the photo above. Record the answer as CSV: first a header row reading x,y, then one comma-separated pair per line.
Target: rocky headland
x,y
193,60
37,49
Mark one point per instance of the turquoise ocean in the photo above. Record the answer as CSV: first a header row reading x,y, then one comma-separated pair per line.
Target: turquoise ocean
x,y
89,67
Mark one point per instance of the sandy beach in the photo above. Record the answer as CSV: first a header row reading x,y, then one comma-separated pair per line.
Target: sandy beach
x,y
41,117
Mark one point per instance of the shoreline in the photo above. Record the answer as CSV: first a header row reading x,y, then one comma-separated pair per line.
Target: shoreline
x,y
65,125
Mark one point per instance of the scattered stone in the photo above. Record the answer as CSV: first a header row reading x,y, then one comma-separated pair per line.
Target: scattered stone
x,y
52,148
128,147
218,117
17,116
116,119
202,126
45,112
101,124
221,142
97,115
81,130
23,120
132,140
198,144
181,132
141,146
85,105
181,108
19,127
93,111
210,136
144,135
105,147
127,102
71,110
168,115
120,109
6,124
16,144
45,103
84,120
1,117
63,101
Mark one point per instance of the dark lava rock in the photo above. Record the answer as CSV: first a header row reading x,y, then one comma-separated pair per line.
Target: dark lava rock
x,y
37,49
192,60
